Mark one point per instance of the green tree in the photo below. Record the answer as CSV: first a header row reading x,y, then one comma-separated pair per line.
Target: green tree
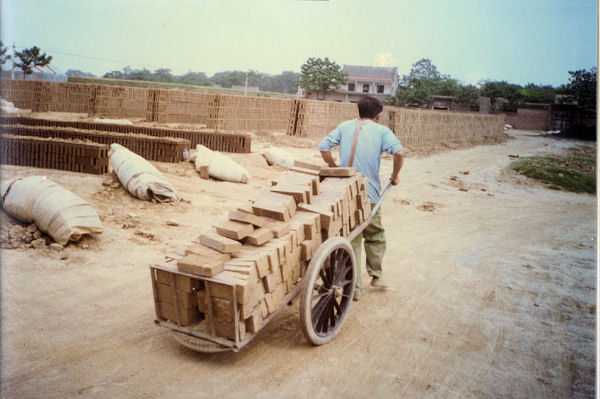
x,y
582,89
4,57
468,94
512,93
423,81
538,94
31,58
322,75
229,78
77,72
114,75
193,78
161,75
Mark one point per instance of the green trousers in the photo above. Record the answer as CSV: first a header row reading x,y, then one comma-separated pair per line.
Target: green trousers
x,y
374,238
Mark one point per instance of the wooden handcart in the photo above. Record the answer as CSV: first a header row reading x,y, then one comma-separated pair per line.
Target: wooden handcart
x,y
326,291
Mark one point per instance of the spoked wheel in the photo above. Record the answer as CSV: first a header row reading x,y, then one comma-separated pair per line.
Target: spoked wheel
x,y
327,291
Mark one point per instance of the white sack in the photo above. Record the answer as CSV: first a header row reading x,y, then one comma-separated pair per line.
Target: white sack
x,y
8,107
280,157
220,166
140,178
55,210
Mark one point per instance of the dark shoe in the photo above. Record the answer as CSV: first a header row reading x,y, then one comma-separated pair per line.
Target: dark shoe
x,y
378,282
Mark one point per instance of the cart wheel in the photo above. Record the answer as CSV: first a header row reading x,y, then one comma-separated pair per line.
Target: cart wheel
x,y
197,344
327,291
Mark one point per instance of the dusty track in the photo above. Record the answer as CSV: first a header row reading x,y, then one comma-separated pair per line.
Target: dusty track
x,y
493,294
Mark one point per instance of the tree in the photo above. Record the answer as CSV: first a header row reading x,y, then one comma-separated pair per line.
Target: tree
x,y
512,93
582,89
77,72
538,94
229,78
423,81
468,94
161,75
193,78
31,58
321,75
3,56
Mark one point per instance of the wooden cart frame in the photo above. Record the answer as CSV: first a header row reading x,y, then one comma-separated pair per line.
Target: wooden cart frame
x,y
331,273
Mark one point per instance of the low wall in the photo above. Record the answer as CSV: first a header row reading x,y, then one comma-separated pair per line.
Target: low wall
x,y
529,119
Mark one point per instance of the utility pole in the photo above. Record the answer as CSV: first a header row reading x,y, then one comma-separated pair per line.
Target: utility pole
x,y
246,89
12,71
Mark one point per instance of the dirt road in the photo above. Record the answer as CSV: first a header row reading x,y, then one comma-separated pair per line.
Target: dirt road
x,y
493,294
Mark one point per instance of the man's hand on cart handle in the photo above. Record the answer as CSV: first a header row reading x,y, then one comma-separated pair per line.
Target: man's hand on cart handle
x,y
398,162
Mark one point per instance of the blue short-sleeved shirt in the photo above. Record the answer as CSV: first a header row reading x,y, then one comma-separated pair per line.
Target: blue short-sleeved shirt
x,y
372,141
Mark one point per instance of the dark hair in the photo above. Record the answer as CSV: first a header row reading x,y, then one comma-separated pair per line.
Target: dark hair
x,y
369,107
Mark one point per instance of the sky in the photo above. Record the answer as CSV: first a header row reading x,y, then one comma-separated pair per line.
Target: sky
x,y
521,42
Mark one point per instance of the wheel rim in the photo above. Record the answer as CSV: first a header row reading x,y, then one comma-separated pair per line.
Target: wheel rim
x,y
331,293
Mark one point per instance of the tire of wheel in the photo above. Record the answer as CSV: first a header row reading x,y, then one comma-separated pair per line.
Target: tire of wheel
x,y
346,269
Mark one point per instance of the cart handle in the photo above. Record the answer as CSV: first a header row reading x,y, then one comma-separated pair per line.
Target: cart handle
x,y
358,229
378,204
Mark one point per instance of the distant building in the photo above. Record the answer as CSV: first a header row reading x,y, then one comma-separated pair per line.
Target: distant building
x,y
380,82
448,103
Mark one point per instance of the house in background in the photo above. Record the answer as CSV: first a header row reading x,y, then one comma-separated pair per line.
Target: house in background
x,y
380,82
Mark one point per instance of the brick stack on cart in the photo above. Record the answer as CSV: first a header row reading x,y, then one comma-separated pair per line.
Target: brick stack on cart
x,y
230,281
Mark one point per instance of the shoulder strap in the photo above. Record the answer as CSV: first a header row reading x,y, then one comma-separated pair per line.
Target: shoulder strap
x,y
354,141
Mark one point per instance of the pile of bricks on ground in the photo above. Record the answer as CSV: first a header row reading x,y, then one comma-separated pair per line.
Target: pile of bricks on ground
x,y
54,154
216,141
228,281
160,149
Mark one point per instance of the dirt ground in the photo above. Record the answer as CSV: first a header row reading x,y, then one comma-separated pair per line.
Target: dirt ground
x,y
493,292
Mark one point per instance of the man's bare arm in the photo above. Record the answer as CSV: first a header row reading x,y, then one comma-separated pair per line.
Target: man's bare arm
x,y
398,162
328,158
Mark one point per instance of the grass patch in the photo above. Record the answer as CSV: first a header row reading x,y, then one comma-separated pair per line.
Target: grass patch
x,y
574,171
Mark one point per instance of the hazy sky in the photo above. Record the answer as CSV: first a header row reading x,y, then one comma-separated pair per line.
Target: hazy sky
x,y
520,41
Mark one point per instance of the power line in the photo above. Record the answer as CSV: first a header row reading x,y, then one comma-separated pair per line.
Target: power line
x,y
94,58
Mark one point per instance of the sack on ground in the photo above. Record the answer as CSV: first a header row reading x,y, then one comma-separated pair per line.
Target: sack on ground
x,y
279,157
220,166
55,210
139,177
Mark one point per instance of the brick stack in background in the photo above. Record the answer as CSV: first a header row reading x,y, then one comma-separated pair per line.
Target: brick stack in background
x,y
216,141
250,265
118,101
420,128
318,118
61,97
308,118
54,154
177,106
160,149
229,112
22,93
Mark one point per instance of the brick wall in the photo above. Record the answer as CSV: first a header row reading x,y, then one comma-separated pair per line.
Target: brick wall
x,y
529,119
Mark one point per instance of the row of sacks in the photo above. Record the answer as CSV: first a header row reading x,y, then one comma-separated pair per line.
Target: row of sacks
x,y
63,215
66,217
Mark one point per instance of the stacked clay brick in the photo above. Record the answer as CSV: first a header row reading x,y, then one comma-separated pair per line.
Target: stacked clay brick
x,y
249,265
54,154
160,149
216,141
